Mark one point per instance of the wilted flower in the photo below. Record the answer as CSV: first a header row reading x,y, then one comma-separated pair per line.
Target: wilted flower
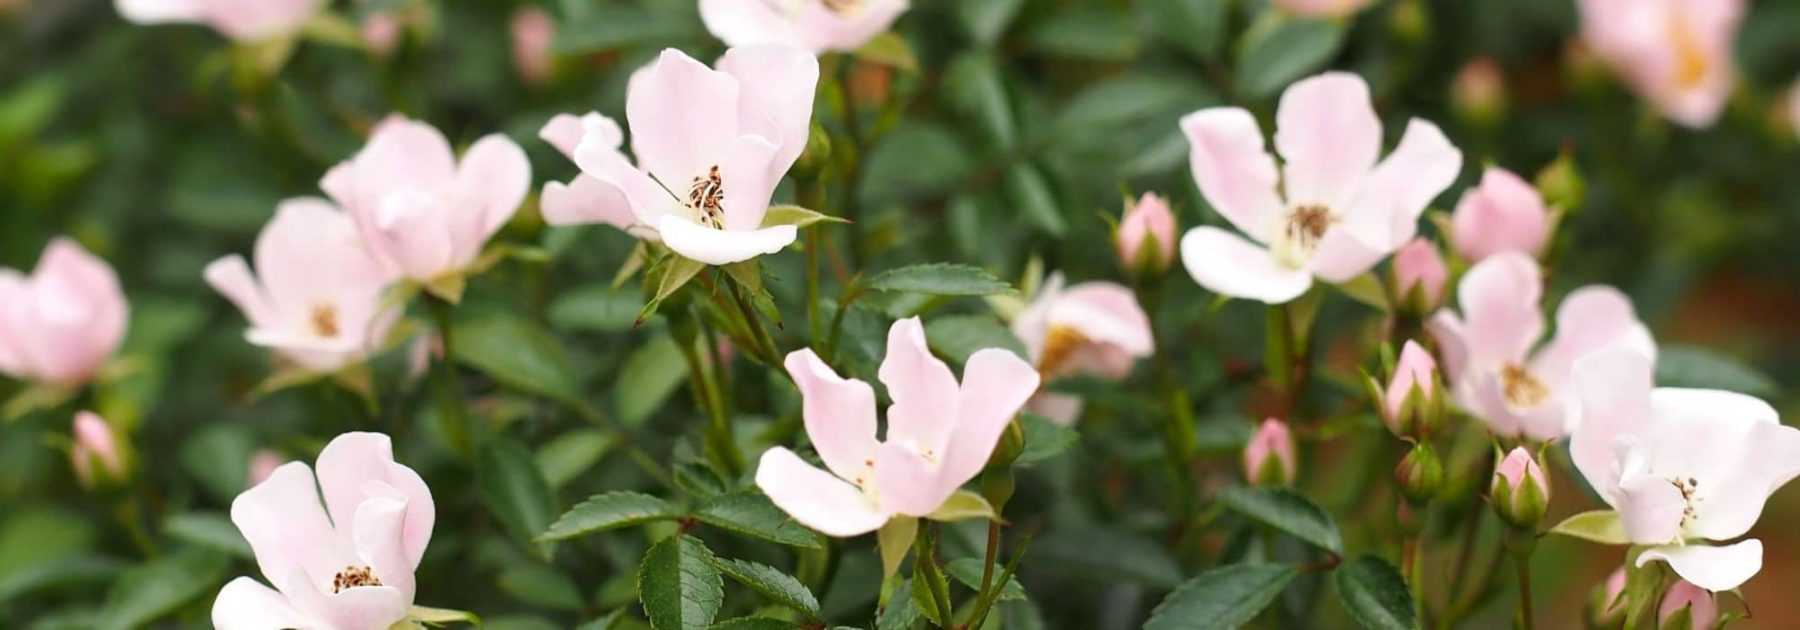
x,y
706,167
1411,405
1700,606
346,565
1488,350
1675,53
1330,211
316,297
59,325
241,20
1503,214
1269,455
814,25
532,32
424,215
1091,328
1419,267
1520,491
96,454
262,464
939,434
1322,8
1146,236
1680,466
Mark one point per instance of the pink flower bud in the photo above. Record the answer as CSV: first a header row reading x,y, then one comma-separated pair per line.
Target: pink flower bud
x,y
1479,92
59,325
1418,265
381,32
1269,456
1604,609
94,442
1503,214
532,32
1702,608
1520,491
1149,221
1416,369
262,464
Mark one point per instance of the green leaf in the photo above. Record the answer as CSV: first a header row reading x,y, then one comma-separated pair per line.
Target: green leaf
x,y
515,490
1197,26
1099,33
540,585
210,530
650,374
596,308
987,20
604,26
1126,556
1224,597
924,582
1375,594
570,454
1690,366
1274,57
517,353
1286,511
973,89
1601,526
671,274
1366,289
957,337
1044,439
940,279
889,49
962,506
679,586
968,571
915,161
78,570
1030,193
754,623
611,510
786,214
147,592
901,613
218,456
779,587
699,480
751,514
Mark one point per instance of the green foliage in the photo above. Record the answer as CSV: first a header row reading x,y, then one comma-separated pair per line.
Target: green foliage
x,y
1375,594
1290,513
679,585
1225,597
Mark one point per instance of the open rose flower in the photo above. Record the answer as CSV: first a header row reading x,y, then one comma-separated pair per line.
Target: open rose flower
x,y
241,20
344,564
1681,466
1674,53
425,215
814,25
711,146
1488,356
316,295
939,434
1330,211
1091,328
59,325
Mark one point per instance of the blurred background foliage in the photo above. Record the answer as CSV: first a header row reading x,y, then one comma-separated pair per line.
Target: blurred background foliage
x,y
1000,132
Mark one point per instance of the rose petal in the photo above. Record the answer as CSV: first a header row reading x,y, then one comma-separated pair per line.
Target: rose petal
x,y
1235,174
245,604
925,393
722,247
815,497
1708,567
1229,265
1328,135
287,528
996,384
678,109
775,98
354,460
839,414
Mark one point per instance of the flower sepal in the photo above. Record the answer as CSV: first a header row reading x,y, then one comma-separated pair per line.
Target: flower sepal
x,y
425,616
962,506
1520,491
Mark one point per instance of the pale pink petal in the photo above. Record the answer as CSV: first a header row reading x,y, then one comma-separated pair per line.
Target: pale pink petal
x,y
160,11
1062,409
925,393
678,109
1503,214
379,538
567,131
847,31
1734,447
1708,567
1650,507
749,173
648,199
839,415
1414,368
1589,319
722,247
1419,169
775,97
1235,175
287,528
231,277
1452,337
307,254
245,604
262,19
1481,394
1350,250
81,312
358,608
814,497
412,228
1612,394
1227,264
493,179
1499,299
1328,136
1107,313
996,384
909,483
348,467
740,23
405,151
586,199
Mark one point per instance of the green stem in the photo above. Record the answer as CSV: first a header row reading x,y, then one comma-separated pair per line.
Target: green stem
x,y
813,325
447,383
721,444
765,345
925,559
1524,563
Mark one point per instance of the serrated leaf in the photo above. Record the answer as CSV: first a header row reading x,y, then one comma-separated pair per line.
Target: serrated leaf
x,y
924,583
1224,597
1287,511
957,337
751,514
149,591
772,583
1044,439
962,506
974,90
754,623
679,586
519,354
968,571
671,274
1375,594
1030,193
940,279
1601,526
610,510
515,491
1274,57
700,480
901,613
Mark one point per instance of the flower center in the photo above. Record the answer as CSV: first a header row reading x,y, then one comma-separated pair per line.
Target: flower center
x,y
1060,343
353,576
1521,389
1689,489
324,320
1690,60
704,197
1301,233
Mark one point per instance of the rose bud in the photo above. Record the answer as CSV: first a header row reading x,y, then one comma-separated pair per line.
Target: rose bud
x,y
1520,491
1145,239
96,455
1419,277
1604,608
1420,474
1269,456
1688,607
